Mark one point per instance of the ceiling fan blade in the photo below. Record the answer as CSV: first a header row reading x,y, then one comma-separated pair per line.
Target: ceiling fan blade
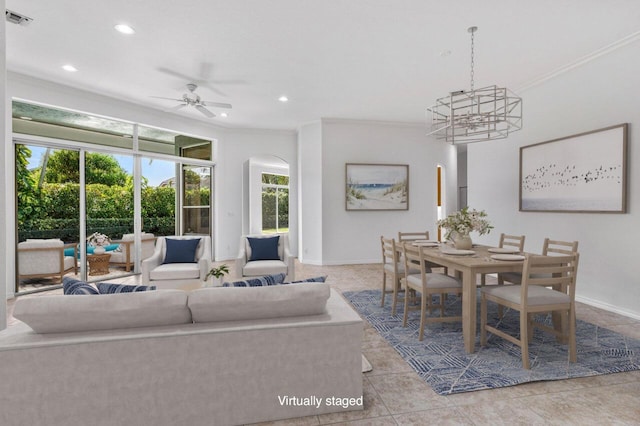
x,y
205,111
228,82
216,104
177,74
167,99
213,89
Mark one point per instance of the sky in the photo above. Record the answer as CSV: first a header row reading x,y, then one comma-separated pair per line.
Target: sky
x,y
156,171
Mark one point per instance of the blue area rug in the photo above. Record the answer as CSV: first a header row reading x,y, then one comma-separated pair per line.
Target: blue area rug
x,y
440,359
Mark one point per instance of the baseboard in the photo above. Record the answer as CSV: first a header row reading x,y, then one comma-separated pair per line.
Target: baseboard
x,y
608,307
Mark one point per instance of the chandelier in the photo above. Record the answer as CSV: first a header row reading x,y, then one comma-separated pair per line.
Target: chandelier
x,y
476,115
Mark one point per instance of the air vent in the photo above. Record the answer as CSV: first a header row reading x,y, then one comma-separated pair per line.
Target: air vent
x,y
17,18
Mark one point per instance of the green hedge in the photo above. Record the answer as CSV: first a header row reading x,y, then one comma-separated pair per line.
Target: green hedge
x,y
109,211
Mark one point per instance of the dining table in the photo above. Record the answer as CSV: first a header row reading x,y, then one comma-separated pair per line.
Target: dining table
x,y
468,264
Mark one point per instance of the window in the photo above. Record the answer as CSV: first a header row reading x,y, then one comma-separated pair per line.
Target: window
x,y
275,203
132,174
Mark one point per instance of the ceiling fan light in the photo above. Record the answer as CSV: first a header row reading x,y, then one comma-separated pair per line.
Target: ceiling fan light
x,y
224,115
124,29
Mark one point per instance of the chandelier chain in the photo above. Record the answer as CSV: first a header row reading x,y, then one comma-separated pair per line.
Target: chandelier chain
x,y
472,52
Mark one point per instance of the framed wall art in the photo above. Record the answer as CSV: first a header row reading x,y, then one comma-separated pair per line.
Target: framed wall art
x,y
586,172
377,186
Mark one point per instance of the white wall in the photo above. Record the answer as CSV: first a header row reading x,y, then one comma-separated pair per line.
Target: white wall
x,y
4,154
598,94
354,236
310,193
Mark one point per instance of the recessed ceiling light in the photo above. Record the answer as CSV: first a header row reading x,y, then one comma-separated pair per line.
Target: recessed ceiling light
x,y
224,115
69,68
283,99
125,29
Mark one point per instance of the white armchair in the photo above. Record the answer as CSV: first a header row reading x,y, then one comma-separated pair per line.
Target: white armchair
x,y
245,267
124,255
185,276
45,259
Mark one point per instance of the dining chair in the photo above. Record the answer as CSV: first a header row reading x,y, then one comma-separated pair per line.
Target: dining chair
x,y
554,292
419,235
427,284
506,241
393,266
549,247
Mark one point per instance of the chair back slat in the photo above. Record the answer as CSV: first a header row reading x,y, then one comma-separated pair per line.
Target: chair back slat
x,y
412,236
559,247
412,258
558,272
389,251
516,241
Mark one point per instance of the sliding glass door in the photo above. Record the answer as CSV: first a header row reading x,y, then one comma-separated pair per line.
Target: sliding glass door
x,y
109,213
47,215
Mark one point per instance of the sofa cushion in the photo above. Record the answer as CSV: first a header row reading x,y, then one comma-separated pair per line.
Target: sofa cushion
x,y
181,251
264,267
233,304
175,271
110,288
319,279
257,281
61,314
264,248
74,286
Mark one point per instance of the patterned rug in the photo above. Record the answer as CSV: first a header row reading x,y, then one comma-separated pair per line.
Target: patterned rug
x,y
440,359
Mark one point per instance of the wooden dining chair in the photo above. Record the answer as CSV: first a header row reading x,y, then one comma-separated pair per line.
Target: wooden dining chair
x,y
414,236
554,292
427,284
549,247
506,241
393,267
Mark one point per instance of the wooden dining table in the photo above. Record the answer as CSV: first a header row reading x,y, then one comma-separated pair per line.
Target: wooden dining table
x,y
469,266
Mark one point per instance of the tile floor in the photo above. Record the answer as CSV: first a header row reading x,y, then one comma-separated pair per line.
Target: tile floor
x,y
395,395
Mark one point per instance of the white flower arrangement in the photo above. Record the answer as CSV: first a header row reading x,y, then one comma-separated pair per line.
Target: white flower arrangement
x,y
465,221
98,240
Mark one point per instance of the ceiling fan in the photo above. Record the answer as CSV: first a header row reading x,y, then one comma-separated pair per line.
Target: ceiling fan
x,y
194,100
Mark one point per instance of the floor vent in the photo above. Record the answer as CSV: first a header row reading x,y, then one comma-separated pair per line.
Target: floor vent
x,y
17,18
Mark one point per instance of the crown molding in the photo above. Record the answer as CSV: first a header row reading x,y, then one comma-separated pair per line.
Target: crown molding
x,y
631,38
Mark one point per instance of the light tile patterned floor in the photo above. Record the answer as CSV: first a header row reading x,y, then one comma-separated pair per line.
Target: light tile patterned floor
x,y
395,395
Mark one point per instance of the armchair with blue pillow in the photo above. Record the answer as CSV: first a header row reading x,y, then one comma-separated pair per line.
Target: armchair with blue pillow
x,y
265,254
180,262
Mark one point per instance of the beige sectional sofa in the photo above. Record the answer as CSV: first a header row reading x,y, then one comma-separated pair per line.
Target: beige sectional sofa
x,y
214,356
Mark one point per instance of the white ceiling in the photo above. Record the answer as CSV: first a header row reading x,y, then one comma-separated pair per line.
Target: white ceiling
x,y
352,59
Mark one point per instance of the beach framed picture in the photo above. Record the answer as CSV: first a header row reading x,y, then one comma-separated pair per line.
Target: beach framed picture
x,y
581,173
377,186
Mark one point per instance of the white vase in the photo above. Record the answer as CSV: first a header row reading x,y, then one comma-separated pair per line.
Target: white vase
x,y
462,242
99,250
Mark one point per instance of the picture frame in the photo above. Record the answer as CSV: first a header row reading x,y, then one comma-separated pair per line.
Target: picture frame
x,y
376,186
582,173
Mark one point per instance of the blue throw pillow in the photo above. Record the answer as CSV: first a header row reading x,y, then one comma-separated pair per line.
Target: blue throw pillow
x,y
264,248
74,286
109,288
319,279
181,251
257,281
